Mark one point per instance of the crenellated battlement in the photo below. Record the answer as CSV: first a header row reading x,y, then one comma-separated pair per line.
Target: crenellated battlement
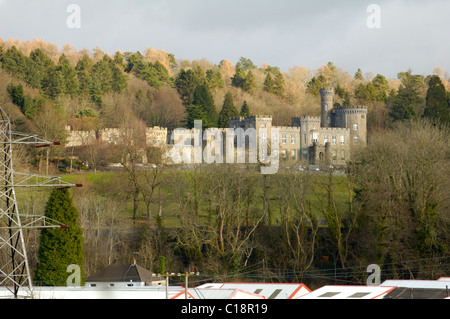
x,y
287,128
351,110
328,91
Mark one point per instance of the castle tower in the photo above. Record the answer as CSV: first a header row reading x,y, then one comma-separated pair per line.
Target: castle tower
x,y
326,95
354,119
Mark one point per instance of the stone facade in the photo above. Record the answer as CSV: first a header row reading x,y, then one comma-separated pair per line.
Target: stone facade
x,y
323,140
319,140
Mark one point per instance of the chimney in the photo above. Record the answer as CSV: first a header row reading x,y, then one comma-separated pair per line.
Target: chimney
x,y
134,261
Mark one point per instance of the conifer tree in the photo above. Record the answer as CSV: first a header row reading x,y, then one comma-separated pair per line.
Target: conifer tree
x,y
204,100
239,76
436,101
249,84
245,110
228,111
186,83
69,74
269,84
279,83
405,103
59,248
194,112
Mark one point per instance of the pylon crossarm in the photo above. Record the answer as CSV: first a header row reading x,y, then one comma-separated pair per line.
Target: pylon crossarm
x,y
38,222
30,139
35,180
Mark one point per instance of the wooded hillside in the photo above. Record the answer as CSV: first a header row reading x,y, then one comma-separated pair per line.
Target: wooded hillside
x,y
392,206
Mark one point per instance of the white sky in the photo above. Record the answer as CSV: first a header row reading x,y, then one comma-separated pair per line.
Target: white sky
x,y
414,34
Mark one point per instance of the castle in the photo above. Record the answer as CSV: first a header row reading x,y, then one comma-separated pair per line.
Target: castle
x,y
323,140
319,140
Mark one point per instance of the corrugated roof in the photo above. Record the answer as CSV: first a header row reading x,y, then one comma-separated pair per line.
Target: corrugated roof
x,y
268,290
428,284
218,293
416,293
348,292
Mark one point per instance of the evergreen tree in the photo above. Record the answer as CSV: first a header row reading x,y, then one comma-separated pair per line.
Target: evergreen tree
x,y
228,111
269,84
59,248
249,85
405,104
381,88
118,60
279,83
436,107
15,62
39,67
96,91
194,112
247,64
186,83
17,94
28,105
245,110
54,84
313,86
239,76
84,69
358,75
204,100
214,79
71,85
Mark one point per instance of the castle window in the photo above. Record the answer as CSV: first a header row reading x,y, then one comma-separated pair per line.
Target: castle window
x,y
334,139
325,139
292,139
334,155
356,139
293,154
355,127
326,107
264,137
329,120
283,139
275,138
343,155
342,140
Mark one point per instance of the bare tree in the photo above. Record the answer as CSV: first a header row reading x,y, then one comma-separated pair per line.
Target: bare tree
x,y
298,218
403,185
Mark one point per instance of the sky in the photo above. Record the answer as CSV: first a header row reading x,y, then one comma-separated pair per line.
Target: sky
x,y
395,37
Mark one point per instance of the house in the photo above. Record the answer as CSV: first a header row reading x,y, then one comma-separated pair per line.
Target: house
x,y
129,275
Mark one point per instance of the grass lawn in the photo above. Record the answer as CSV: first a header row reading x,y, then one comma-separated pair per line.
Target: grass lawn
x,y
107,183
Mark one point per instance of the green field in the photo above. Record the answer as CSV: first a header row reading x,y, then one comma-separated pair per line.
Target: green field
x,y
109,185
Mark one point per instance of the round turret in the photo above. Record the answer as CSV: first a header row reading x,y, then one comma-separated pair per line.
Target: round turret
x,y
326,95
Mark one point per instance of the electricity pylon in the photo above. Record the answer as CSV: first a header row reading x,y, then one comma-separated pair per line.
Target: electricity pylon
x,y
14,267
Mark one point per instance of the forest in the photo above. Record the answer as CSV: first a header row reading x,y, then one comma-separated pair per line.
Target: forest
x,y
391,208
